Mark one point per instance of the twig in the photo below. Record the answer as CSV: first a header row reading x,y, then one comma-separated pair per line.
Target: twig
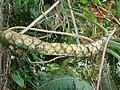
x,y
103,58
40,17
43,62
73,19
45,36
53,32
117,20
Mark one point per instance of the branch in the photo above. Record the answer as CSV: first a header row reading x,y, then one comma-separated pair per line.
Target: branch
x,y
53,32
44,62
103,58
73,19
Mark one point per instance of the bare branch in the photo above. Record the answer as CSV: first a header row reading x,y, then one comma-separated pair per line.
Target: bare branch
x,y
103,58
44,62
73,19
53,32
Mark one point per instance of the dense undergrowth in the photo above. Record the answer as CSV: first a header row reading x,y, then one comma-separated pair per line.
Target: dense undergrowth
x,y
93,19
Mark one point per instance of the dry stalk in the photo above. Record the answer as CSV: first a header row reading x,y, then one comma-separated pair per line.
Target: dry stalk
x,y
44,62
103,58
73,19
53,32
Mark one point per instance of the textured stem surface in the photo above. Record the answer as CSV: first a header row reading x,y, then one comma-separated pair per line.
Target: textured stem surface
x,y
33,43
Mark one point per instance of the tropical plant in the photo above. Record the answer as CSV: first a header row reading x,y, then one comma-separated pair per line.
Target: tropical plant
x,y
63,51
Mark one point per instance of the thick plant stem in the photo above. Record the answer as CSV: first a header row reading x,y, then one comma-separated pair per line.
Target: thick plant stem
x,y
33,43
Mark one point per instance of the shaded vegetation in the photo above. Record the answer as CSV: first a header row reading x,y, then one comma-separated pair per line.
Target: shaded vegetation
x,y
93,19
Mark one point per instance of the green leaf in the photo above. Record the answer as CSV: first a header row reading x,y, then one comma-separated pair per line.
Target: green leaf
x,y
89,15
84,1
116,39
95,1
113,53
114,45
63,82
93,22
107,81
18,79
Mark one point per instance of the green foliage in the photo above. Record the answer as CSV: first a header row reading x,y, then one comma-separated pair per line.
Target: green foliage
x,y
21,12
117,7
107,81
89,15
114,49
33,76
18,79
86,1
62,82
